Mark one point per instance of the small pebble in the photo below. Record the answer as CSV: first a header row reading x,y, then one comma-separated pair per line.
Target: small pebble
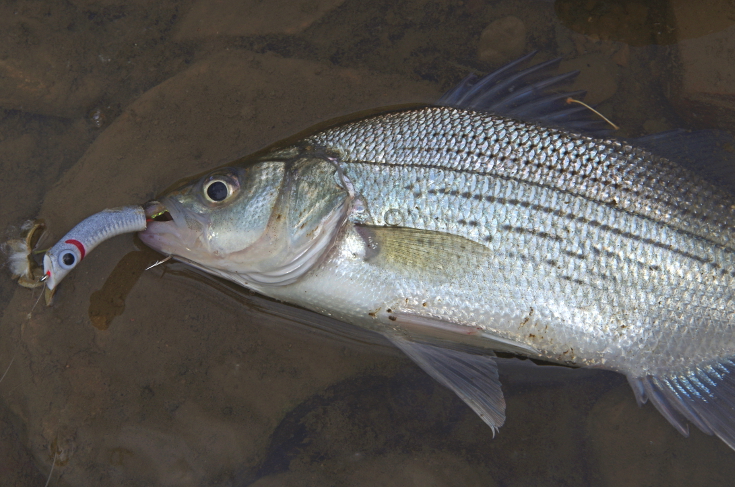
x,y
98,118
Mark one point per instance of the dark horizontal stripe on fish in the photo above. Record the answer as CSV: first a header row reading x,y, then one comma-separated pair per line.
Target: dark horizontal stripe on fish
x,y
617,256
561,213
555,265
530,231
602,226
582,219
552,168
471,223
574,254
575,281
596,250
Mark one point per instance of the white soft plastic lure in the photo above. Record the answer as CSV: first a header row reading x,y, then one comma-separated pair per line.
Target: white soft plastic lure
x,y
75,245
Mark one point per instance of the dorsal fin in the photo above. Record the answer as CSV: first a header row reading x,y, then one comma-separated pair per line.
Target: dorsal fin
x,y
526,94
709,153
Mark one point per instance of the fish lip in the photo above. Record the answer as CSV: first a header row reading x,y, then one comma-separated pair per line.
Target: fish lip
x,y
178,231
165,222
164,211
157,211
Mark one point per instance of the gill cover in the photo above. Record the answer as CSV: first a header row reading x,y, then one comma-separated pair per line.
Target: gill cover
x,y
313,205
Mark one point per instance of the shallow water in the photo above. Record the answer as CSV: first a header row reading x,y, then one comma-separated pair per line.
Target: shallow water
x,y
167,378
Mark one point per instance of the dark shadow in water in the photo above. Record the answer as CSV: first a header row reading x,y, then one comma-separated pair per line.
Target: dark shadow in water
x,y
109,302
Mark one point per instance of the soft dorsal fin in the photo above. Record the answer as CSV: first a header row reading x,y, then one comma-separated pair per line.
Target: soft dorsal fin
x,y
526,94
709,153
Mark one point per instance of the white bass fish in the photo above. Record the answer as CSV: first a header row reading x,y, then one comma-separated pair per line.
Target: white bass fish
x,y
462,229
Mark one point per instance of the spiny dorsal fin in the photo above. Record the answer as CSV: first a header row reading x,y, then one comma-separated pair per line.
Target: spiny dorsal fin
x,y
527,94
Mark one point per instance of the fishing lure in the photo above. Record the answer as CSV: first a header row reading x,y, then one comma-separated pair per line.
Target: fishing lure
x,y
75,245
20,261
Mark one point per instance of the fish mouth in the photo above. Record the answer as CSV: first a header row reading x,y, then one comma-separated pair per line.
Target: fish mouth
x,y
156,211
165,228
173,230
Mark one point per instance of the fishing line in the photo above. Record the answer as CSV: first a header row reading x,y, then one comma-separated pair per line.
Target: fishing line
x,y
572,100
35,304
159,262
52,470
7,369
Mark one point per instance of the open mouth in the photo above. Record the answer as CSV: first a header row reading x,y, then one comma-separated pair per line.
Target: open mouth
x,y
163,216
155,211
171,229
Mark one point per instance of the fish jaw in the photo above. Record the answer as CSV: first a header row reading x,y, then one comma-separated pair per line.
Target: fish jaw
x,y
170,232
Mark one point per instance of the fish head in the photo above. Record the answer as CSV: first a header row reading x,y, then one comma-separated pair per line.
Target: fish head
x,y
264,222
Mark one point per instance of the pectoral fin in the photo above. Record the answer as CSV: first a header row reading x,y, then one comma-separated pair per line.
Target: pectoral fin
x,y
426,253
435,259
474,378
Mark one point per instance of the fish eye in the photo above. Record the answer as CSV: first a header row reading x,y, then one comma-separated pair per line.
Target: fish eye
x,y
217,191
67,259
220,186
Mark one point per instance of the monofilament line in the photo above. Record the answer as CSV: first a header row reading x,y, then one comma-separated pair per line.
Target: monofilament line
x,y
6,370
572,100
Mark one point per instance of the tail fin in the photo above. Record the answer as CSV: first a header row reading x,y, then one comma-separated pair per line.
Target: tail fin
x,y
704,395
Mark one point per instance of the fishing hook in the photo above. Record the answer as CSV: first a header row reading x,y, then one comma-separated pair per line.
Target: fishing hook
x,y
159,262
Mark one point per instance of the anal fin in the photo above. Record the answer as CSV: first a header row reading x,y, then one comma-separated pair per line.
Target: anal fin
x,y
474,378
704,395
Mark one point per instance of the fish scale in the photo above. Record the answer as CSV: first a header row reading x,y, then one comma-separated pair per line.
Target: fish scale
x,y
602,170
541,206
538,279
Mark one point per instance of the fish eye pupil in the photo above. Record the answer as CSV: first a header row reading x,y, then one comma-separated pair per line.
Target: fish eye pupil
x,y
217,191
68,258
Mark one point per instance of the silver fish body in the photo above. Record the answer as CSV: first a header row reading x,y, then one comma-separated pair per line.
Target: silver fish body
x,y
591,245
468,227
